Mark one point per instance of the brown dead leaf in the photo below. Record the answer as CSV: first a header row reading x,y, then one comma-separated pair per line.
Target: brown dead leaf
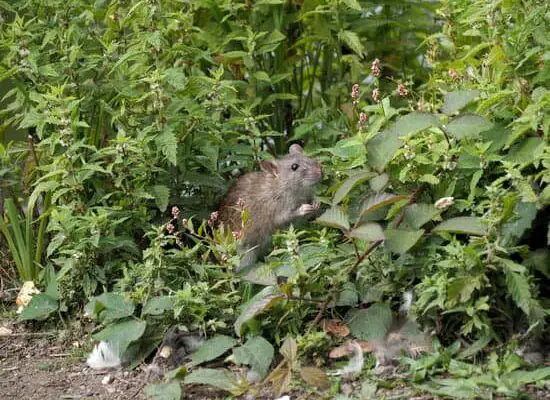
x,y
335,327
315,377
345,350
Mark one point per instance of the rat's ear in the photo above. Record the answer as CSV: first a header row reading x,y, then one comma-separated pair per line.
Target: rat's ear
x,y
270,167
295,149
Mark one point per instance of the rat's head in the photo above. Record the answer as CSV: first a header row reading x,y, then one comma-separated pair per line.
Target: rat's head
x,y
294,169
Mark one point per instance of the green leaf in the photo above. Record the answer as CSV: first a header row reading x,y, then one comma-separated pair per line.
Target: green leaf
x,y
256,352
162,196
168,145
111,306
468,126
348,296
121,333
164,391
212,349
455,101
465,225
262,76
527,151
40,307
475,347
416,215
335,218
176,78
517,284
400,241
523,217
378,183
369,231
353,4
370,324
350,183
414,122
378,201
219,378
158,305
259,303
352,40
518,378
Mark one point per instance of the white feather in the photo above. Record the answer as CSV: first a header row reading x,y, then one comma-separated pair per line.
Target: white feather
x,y
103,356
407,303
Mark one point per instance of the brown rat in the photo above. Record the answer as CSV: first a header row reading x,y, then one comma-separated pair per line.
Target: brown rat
x,y
273,197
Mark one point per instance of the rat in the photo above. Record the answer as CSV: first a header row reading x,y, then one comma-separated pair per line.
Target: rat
x,y
274,197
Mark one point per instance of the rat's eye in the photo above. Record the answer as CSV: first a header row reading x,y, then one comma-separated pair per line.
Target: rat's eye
x,y
294,167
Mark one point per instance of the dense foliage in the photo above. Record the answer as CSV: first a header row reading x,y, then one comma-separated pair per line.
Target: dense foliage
x,y
430,119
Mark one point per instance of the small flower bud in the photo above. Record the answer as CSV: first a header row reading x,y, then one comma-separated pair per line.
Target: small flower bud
x,y
402,90
376,95
375,68
170,228
355,94
175,212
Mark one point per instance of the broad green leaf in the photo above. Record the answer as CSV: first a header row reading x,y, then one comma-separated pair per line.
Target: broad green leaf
x,y
256,352
111,306
350,183
414,122
527,151
158,305
40,307
162,196
219,378
121,333
334,217
468,126
164,391
523,217
416,215
517,378
368,231
259,303
372,323
348,296
400,241
378,201
465,225
212,349
176,78
352,40
378,183
168,145
455,101
262,76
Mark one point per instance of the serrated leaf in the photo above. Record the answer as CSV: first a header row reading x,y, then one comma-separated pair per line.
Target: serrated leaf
x,y
400,241
260,302
378,201
164,391
256,352
455,101
315,377
368,231
350,183
527,151
335,218
121,333
158,305
416,215
370,324
348,295
475,347
465,225
40,307
524,215
176,78
212,349
468,126
162,196
262,76
168,145
219,378
517,284
352,40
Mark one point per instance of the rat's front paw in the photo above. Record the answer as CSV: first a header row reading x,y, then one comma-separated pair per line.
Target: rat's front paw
x,y
306,209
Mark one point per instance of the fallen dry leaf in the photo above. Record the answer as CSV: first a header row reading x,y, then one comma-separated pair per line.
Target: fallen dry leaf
x,y
336,328
345,350
315,377
5,331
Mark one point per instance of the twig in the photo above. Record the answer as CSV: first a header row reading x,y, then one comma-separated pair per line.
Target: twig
x,y
29,334
371,248
60,355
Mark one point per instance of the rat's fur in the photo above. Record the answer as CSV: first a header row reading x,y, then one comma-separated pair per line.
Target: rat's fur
x,y
273,198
